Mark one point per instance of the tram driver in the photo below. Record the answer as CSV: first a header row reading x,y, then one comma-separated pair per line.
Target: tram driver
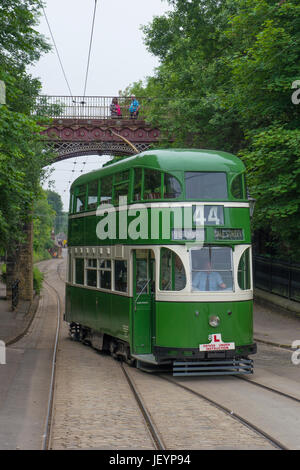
x,y
208,280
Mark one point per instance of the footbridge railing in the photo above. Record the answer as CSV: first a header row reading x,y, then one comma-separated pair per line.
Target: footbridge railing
x,y
87,107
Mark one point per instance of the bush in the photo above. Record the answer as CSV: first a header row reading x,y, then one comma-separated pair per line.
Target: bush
x,y
38,278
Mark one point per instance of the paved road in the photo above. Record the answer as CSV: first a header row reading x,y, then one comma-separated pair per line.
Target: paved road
x,y
94,408
24,381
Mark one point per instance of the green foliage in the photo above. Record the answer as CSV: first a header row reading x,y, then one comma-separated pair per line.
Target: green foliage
x,y
224,82
43,221
22,152
38,278
3,273
273,164
61,218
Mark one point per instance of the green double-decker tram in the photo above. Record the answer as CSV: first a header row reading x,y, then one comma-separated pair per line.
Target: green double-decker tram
x,y
159,262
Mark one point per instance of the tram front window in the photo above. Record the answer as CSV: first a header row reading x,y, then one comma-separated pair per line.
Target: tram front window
x,y
206,186
212,269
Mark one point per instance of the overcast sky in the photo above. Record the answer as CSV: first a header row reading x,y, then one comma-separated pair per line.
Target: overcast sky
x,y
118,58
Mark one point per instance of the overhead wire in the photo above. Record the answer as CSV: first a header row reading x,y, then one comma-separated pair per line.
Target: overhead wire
x,y
90,48
56,49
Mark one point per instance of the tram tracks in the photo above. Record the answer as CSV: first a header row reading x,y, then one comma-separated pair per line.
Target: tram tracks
x,y
270,389
157,440
272,440
155,432
48,420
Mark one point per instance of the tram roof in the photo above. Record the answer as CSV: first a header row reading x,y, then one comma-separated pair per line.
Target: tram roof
x,y
171,160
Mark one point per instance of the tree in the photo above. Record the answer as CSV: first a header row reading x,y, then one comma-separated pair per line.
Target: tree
x,y
61,218
43,221
224,82
22,153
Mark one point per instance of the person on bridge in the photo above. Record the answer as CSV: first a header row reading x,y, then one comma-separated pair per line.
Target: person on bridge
x,y
134,108
115,110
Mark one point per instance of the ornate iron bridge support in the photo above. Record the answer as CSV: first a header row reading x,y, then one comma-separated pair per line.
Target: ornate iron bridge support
x,y
72,138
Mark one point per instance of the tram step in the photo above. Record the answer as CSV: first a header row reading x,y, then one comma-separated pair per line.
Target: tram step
x,y
227,367
148,358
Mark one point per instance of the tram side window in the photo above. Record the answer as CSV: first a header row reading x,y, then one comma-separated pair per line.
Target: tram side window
x,y
121,187
137,188
105,274
71,208
79,271
236,188
212,269
172,272
172,188
206,186
106,191
122,176
152,184
121,276
91,272
92,195
81,199
244,271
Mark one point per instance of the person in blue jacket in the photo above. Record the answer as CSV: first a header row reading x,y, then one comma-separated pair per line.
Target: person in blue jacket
x,y
134,107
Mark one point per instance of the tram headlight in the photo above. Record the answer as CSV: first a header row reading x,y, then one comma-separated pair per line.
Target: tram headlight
x,y
214,321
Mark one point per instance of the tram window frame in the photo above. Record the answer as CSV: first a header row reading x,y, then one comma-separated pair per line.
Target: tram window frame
x,y
121,182
91,266
104,265
124,282
155,195
141,184
71,206
79,271
108,198
172,266
93,205
212,252
169,175
81,192
244,271
240,178
188,189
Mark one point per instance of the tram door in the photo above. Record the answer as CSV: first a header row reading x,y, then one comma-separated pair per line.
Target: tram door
x,y
143,300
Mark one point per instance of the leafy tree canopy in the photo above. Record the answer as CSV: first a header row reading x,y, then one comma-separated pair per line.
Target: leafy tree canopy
x,y
224,82
22,153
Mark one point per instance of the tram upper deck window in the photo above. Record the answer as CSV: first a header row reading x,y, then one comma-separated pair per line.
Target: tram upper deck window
x,y
172,188
121,187
137,185
212,269
206,186
80,199
92,195
152,184
237,187
106,191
